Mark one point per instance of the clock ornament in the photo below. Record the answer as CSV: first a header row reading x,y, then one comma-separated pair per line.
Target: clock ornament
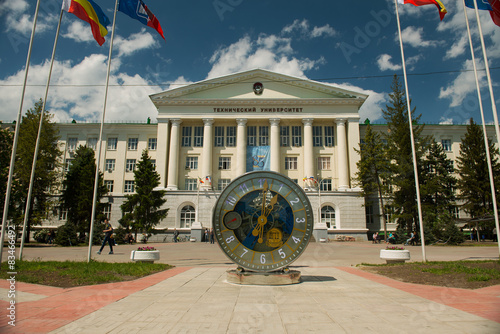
x,y
263,222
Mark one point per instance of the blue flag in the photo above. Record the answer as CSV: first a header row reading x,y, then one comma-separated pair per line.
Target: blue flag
x,y
481,4
138,10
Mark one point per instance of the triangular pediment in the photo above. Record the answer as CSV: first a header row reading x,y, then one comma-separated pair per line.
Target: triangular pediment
x,y
240,86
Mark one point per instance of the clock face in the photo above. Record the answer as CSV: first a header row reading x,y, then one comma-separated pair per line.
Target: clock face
x,y
263,221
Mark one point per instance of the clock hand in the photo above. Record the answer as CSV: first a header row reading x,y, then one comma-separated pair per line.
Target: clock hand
x,y
271,204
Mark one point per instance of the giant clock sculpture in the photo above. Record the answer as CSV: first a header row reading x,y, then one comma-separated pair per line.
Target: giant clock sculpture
x,y
263,221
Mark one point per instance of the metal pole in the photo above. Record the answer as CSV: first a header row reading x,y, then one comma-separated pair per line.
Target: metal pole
x,y
38,139
16,135
96,181
414,155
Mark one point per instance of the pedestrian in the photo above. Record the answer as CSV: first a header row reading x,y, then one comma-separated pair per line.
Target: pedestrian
x,y
374,238
206,235
212,236
108,232
176,235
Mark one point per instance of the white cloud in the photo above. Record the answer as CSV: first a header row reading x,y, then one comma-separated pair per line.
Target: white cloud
x,y
19,19
372,108
413,37
135,42
302,26
458,48
324,30
384,63
463,84
79,31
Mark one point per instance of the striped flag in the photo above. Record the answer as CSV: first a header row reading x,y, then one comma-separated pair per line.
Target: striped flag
x,y
90,12
437,3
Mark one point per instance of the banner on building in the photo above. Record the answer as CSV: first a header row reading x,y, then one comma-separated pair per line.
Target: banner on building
x,y
258,158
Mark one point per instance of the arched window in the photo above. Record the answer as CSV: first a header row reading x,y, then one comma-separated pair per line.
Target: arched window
x,y
328,216
188,215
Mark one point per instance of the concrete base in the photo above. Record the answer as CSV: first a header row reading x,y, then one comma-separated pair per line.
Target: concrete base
x,y
270,278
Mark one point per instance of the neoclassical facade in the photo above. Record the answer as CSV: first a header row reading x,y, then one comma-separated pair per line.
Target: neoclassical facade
x,y
210,132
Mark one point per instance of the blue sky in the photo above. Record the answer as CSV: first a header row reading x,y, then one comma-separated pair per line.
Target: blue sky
x,y
353,45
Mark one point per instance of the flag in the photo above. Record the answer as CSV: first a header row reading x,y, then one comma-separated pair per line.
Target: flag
x,y
495,11
138,10
481,4
89,11
199,179
438,3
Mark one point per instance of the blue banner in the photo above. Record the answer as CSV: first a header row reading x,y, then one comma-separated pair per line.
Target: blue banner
x,y
258,158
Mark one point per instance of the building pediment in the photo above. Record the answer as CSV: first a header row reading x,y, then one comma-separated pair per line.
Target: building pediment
x,y
243,88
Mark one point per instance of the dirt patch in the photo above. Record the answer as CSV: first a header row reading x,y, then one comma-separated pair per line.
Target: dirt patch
x,y
464,275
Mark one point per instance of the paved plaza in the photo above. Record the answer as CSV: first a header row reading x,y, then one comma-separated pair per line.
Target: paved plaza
x,y
194,297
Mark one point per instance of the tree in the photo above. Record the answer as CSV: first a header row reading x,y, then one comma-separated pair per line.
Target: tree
x,y
6,137
46,176
141,211
78,190
373,169
472,166
438,194
400,153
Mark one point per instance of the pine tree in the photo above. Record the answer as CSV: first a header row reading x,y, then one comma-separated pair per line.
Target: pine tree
x,y
400,153
472,166
6,137
141,211
46,175
78,190
373,169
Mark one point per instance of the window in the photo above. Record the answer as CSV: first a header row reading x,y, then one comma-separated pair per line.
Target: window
x,y
188,215
263,136
129,186
67,164
328,216
153,162
92,143
252,136
326,185
291,163
224,163
198,136
112,143
389,212
324,163
223,183
329,136
284,136
219,136
231,136
130,165
186,136
296,136
72,142
191,184
106,211
109,185
152,144
63,213
132,144
317,136
446,143
455,211
110,165
191,162
369,214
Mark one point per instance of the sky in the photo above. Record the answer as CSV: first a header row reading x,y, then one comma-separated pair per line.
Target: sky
x,y
353,45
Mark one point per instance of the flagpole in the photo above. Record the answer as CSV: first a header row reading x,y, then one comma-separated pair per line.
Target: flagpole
x,y
38,139
16,134
96,181
486,143
415,170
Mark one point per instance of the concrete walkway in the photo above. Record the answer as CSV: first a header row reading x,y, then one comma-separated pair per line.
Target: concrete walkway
x,y
334,297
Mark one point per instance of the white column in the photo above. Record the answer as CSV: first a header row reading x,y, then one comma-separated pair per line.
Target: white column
x,y
342,162
275,144
308,151
206,157
162,149
353,140
173,156
241,147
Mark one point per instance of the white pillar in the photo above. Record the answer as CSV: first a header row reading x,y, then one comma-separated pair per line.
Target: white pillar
x,y
308,151
342,162
353,140
275,144
173,156
206,157
241,147
162,149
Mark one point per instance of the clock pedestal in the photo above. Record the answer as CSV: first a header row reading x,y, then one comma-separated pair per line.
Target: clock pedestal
x,y
263,278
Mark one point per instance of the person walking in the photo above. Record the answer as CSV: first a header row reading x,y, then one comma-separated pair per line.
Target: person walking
x,y
108,232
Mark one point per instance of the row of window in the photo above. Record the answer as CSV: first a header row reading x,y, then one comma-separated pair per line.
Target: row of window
x,y
291,163
257,136
371,217
112,144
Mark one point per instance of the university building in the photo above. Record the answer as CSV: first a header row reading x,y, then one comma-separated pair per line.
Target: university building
x,y
210,132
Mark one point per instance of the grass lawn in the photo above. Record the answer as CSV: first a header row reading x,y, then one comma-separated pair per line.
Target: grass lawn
x,y
71,273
